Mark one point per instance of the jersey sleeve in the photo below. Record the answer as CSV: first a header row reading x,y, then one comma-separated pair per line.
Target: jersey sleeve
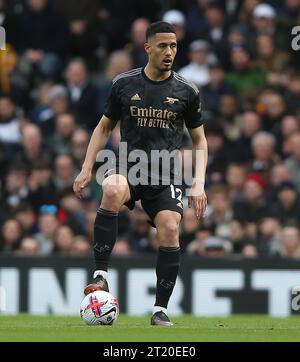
x,y
193,115
113,105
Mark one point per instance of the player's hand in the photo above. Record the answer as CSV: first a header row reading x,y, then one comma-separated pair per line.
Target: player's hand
x,y
81,181
197,199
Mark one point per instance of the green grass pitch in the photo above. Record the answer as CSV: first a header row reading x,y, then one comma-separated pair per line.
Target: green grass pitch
x,y
187,328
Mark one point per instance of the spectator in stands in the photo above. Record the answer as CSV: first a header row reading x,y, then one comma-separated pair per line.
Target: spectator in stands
x,y
48,224
228,116
10,236
288,126
235,178
215,29
290,242
244,75
246,10
79,143
89,224
217,87
237,236
219,153
196,247
122,248
275,108
91,198
64,171
253,206
81,247
289,13
228,110
29,247
42,37
264,21
251,231
117,18
268,57
287,206
118,62
215,247
63,239
41,187
24,213
278,175
83,95
263,148
74,215
293,162
16,188
2,201
84,28
219,212
292,92
136,47
195,17
33,148
123,222
250,124
238,35
2,158
249,251
41,111
264,17
267,240
197,70
10,122
189,226
60,142
140,231
58,104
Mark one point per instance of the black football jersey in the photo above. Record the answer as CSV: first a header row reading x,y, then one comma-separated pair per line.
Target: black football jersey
x,y
152,114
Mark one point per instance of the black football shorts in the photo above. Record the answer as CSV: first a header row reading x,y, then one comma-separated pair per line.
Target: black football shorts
x,y
155,198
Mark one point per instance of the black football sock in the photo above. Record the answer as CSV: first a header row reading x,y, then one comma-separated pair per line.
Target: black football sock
x,y
167,267
105,235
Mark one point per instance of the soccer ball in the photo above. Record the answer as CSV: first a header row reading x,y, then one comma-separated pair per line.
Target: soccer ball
x,y
99,307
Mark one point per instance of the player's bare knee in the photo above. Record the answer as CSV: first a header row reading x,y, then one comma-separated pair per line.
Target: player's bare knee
x,y
115,180
170,231
111,192
114,193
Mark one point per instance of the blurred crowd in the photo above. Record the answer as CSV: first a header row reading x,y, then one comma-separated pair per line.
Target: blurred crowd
x,y
55,74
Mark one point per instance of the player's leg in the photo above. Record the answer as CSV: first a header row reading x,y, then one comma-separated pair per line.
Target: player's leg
x,y
115,193
168,260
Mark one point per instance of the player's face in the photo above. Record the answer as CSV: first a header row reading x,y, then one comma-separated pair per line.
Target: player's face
x,y
161,49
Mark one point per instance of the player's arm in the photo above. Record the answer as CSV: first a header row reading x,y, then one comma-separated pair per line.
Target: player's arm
x,y
97,142
197,196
